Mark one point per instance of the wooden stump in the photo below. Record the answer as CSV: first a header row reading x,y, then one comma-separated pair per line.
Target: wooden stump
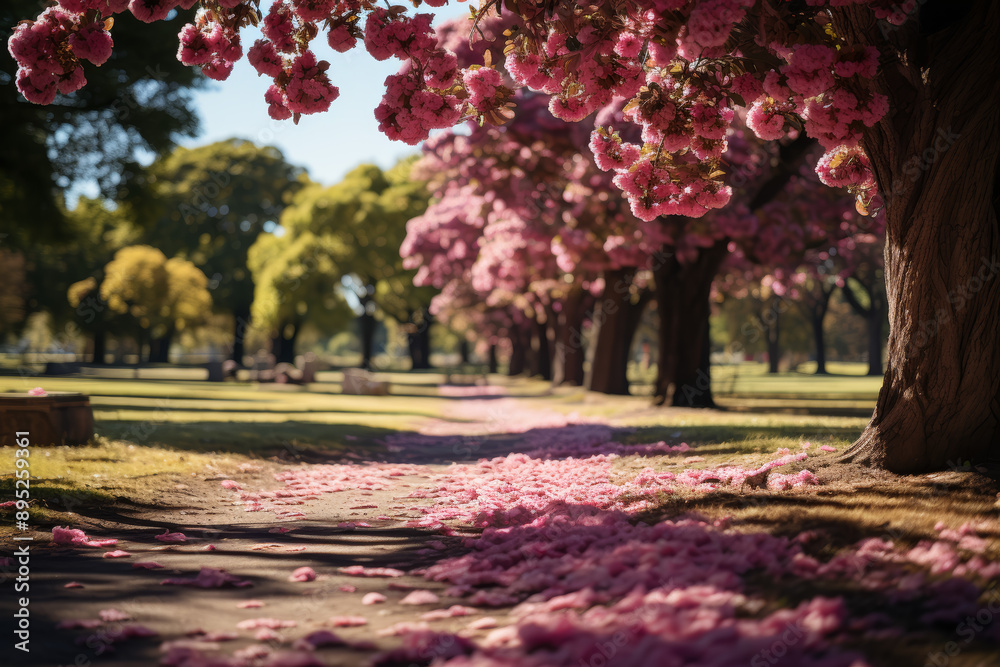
x,y
55,419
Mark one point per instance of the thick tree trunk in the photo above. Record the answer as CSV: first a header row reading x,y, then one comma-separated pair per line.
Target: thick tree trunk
x,y
463,352
682,293
540,358
491,359
241,323
283,346
520,343
100,347
935,157
693,376
616,318
567,364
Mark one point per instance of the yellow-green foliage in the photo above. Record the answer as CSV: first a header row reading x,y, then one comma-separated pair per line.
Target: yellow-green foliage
x,y
160,294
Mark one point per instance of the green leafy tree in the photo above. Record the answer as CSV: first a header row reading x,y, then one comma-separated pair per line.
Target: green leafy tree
x,y
361,222
297,283
208,205
350,234
139,101
160,296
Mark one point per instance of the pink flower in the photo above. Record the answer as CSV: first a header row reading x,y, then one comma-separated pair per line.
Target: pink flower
x,y
37,391
348,621
146,565
265,59
149,11
93,43
303,574
117,553
309,89
167,536
373,598
420,597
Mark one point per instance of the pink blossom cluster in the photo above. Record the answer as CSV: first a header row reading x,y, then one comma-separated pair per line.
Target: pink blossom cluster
x,y
48,53
213,45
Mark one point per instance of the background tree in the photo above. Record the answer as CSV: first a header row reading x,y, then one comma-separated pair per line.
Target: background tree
x,y
297,283
350,233
95,232
160,296
209,204
139,101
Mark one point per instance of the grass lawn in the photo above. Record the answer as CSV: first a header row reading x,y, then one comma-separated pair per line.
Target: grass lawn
x,y
152,432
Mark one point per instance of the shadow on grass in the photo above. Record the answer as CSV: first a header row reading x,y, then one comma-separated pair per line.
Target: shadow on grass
x,y
703,436
258,439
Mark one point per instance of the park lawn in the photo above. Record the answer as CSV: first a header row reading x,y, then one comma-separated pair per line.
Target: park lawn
x,y
157,434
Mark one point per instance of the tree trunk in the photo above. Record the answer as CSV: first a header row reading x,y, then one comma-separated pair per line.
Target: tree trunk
x,y
540,359
772,334
819,343
366,326
100,347
463,352
492,359
935,157
418,341
520,342
283,345
159,348
567,364
241,323
682,293
816,313
874,315
616,319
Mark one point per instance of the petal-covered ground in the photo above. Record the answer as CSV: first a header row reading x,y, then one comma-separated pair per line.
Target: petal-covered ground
x,y
523,537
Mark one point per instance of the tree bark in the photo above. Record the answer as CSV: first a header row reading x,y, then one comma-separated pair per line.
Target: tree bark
x,y
567,363
935,157
616,317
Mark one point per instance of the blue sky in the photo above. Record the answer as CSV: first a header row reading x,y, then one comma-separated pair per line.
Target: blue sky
x,y
328,144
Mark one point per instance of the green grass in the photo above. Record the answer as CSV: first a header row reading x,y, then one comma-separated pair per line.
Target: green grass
x,y
152,430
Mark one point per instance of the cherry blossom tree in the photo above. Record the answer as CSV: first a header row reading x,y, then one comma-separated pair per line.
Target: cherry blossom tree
x,y
899,95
